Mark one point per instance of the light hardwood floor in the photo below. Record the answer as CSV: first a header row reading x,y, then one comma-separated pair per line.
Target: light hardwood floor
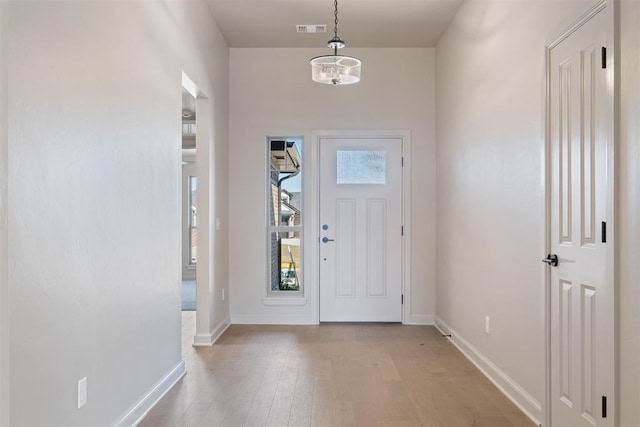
x,y
331,375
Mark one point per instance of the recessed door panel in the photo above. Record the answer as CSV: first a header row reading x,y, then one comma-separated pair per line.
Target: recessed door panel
x,y
376,280
345,248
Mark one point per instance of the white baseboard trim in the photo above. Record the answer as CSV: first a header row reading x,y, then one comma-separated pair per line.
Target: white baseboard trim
x,y
202,340
277,319
141,408
519,396
421,319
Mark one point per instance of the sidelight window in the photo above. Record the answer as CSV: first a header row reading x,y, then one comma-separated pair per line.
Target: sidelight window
x,y
193,219
284,202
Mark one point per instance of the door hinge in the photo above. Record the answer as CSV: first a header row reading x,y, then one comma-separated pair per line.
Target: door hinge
x,y
604,232
402,230
604,57
402,162
402,299
604,406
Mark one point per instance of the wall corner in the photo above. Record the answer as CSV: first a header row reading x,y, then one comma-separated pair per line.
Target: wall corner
x,y
4,277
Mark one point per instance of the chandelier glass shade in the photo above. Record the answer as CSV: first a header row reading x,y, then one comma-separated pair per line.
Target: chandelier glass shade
x,y
335,69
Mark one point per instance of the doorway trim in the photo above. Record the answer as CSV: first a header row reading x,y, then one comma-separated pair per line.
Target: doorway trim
x,y
312,187
4,244
603,6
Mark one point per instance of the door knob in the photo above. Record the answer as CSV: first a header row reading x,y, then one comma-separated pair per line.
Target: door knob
x,y
326,239
551,259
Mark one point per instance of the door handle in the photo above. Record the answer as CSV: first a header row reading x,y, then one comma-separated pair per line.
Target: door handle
x,y
551,259
326,239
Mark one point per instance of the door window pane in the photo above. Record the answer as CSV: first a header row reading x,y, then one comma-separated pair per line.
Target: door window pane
x,y
361,167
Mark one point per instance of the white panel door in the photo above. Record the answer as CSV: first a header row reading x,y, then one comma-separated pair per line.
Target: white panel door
x,y
360,229
582,363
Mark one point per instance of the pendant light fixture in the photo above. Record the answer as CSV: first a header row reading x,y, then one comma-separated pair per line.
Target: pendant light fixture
x,y
335,69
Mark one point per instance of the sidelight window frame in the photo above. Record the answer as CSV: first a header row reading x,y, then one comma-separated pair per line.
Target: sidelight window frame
x,y
284,268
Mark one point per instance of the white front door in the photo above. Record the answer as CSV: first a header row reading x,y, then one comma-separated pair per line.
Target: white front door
x,y
360,229
582,322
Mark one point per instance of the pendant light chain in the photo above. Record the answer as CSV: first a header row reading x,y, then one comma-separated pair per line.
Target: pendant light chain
x,y
335,28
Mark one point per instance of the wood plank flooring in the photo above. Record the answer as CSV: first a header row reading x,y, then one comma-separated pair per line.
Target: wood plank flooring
x,y
331,375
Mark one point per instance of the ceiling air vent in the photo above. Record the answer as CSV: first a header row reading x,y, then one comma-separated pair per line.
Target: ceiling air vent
x,y
311,28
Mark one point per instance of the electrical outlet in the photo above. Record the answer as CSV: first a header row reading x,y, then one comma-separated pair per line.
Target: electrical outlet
x,y
82,392
486,324
222,294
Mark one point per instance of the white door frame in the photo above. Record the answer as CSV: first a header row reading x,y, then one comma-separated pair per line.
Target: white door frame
x,y
603,6
312,187
4,244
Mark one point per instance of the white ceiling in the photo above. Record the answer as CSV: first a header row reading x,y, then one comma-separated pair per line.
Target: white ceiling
x,y
362,23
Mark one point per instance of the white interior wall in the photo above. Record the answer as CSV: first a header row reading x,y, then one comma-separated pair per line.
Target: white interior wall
x,y
490,108
272,99
628,209
213,149
212,315
4,282
94,172
452,51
